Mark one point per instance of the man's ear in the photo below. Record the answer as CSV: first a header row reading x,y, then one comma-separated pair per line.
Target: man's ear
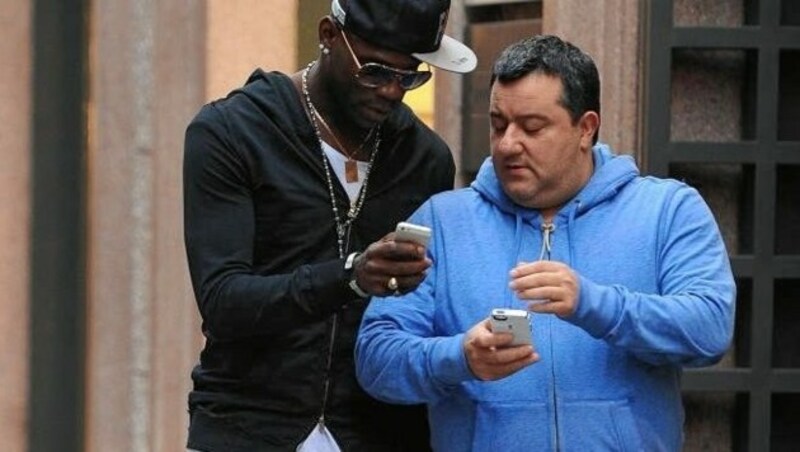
x,y
327,30
589,123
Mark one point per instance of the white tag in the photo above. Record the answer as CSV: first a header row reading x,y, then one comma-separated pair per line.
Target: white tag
x,y
320,440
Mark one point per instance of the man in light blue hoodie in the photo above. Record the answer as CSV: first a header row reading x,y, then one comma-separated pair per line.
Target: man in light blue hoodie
x,y
627,279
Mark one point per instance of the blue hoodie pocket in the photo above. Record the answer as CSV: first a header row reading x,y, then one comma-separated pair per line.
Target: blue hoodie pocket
x,y
512,427
598,426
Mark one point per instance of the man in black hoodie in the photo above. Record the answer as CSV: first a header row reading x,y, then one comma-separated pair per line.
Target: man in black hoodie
x,y
292,187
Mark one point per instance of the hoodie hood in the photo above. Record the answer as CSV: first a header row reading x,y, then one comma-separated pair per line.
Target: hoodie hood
x,y
611,173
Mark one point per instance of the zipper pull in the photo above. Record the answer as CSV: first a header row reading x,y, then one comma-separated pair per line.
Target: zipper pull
x,y
547,231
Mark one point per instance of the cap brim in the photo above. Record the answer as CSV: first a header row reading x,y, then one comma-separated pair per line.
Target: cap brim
x,y
451,56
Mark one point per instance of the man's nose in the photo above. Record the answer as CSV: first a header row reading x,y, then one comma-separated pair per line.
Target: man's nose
x,y
509,142
392,90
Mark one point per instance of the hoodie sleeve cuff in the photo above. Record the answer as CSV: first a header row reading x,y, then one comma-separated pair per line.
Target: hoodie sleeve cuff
x,y
447,361
329,281
598,310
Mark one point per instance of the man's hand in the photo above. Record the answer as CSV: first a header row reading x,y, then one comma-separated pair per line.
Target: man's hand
x,y
489,355
548,287
386,259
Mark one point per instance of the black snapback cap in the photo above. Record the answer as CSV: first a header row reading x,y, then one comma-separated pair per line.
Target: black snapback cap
x,y
412,27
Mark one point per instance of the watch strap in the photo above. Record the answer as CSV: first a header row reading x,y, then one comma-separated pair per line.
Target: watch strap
x,y
348,266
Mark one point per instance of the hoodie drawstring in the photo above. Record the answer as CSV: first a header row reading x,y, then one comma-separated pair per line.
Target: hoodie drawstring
x,y
547,231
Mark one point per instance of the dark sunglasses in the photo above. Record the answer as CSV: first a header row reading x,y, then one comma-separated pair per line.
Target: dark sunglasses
x,y
375,75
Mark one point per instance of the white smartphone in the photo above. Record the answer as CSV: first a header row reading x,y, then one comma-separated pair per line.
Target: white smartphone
x,y
514,321
409,232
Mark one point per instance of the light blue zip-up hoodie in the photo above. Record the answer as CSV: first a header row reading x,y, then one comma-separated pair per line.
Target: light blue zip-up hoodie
x,y
656,294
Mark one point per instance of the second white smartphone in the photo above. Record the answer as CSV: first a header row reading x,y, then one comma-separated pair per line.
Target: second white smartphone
x,y
514,321
409,232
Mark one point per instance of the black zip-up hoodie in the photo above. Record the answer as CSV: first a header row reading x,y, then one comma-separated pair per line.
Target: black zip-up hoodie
x,y
269,282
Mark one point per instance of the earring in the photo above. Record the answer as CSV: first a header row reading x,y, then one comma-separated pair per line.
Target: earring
x,y
324,49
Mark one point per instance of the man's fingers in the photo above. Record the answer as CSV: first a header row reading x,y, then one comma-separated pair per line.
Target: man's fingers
x,y
511,354
489,341
394,259
402,250
503,362
387,267
541,294
540,279
529,268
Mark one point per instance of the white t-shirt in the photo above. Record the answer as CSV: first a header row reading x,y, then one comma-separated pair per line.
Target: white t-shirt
x,y
337,160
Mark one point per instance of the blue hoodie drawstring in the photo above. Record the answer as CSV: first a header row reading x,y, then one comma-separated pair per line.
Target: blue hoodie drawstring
x,y
547,231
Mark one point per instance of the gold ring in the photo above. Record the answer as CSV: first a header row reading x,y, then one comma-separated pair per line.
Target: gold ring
x,y
392,284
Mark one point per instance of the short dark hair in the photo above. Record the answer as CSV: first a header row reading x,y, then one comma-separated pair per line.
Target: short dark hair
x,y
553,56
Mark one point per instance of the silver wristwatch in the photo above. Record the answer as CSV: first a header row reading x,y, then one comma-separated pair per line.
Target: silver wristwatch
x,y
348,267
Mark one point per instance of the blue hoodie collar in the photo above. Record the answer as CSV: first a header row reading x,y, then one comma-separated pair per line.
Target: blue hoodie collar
x,y
611,173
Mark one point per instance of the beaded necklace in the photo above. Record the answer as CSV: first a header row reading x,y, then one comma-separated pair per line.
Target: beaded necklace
x,y
342,226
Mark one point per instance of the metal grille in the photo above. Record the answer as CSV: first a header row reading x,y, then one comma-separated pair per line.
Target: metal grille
x,y
764,163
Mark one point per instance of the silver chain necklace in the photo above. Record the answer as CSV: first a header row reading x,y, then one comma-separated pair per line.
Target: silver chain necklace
x,y
342,227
